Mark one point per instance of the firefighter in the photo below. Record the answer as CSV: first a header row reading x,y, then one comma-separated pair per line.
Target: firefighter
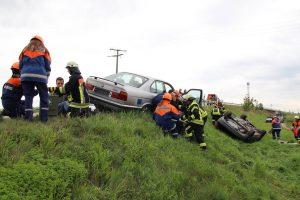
x,y
77,102
12,93
217,112
194,121
203,114
296,128
35,70
166,115
276,127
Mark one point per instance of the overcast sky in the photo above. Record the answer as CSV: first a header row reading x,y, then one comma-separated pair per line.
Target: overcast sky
x,y
216,45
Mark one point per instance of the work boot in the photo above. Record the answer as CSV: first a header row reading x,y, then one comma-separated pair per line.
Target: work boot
x,y
188,135
203,145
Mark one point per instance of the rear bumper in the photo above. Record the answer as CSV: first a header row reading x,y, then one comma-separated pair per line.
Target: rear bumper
x,y
96,100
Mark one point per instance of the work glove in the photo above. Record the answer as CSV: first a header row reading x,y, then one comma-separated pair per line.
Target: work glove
x,y
51,89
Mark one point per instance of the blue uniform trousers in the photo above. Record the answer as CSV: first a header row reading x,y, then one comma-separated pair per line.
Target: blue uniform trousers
x,y
29,93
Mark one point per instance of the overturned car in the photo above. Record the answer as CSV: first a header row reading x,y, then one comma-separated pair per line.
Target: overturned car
x,y
240,128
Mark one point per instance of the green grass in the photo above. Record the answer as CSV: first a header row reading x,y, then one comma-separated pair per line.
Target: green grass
x,y
125,156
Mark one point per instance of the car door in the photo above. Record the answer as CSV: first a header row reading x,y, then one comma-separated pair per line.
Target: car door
x,y
196,93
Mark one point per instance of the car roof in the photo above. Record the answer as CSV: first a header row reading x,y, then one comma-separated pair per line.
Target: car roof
x,y
148,77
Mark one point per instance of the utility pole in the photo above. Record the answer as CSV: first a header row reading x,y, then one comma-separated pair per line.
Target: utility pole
x,y
117,55
248,90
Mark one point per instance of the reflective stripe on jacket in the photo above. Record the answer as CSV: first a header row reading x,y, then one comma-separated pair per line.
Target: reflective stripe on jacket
x,y
216,111
35,62
166,115
193,113
12,90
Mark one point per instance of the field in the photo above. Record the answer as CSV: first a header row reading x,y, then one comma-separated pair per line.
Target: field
x,y
126,156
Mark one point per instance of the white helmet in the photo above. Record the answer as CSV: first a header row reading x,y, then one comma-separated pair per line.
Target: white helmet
x,y
72,64
296,117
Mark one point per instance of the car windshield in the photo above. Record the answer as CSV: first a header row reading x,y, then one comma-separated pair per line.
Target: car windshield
x,y
128,79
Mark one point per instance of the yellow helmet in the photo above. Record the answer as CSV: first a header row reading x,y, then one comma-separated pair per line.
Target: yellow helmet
x,y
296,117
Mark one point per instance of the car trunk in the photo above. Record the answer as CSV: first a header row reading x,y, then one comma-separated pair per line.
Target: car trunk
x,y
106,89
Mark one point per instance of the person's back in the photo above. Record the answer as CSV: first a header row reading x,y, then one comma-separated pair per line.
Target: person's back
x,y
77,102
12,93
276,127
35,69
12,90
276,123
76,88
156,100
166,114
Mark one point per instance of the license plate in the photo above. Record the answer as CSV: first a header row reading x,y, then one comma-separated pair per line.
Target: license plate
x,y
103,92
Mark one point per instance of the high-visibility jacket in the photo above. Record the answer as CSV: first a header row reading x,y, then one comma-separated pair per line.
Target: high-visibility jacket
x,y
193,113
203,112
76,91
166,115
216,111
296,128
35,62
12,90
60,91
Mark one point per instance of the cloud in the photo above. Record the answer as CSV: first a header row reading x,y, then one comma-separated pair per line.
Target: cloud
x,y
213,44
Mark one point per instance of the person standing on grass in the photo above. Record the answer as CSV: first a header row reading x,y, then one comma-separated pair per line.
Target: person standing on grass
x,y
35,70
192,117
276,127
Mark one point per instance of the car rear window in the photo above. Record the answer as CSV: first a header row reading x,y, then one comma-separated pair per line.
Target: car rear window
x,y
128,79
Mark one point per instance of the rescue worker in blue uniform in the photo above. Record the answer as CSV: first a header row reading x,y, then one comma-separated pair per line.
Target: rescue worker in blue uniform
x,y
35,69
12,93
194,122
166,115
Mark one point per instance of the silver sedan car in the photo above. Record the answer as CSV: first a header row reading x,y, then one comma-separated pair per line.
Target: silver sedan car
x,y
127,91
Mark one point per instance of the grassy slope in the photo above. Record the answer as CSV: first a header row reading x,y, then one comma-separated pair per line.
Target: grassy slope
x,y
125,156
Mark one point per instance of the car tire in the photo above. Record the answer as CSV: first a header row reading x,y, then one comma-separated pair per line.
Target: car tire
x,y
147,108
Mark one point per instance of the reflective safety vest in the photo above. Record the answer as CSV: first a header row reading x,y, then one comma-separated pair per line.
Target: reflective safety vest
x,y
216,111
79,105
203,112
194,113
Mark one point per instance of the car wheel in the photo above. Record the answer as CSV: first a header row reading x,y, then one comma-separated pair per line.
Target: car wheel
x,y
147,108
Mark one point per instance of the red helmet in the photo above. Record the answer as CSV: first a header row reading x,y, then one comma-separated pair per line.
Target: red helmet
x,y
37,37
167,96
15,66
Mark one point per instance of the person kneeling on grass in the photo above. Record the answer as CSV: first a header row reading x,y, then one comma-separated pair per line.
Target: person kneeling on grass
x,y
77,102
166,115
12,93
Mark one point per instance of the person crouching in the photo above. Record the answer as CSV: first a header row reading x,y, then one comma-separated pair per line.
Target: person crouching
x,y
77,103
12,93
166,115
